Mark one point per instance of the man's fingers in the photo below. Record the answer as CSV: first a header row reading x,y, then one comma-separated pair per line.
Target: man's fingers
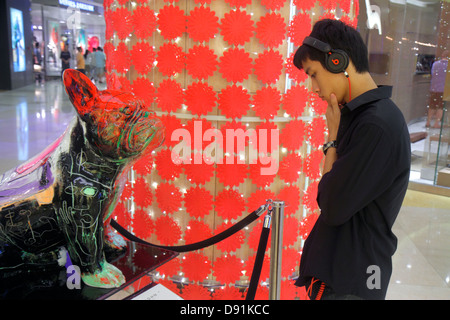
x,y
333,100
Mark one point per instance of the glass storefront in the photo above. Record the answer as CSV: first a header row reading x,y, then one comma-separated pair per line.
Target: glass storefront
x,y
57,25
405,39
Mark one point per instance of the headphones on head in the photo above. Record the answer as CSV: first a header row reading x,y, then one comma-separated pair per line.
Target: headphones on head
x,y
336,61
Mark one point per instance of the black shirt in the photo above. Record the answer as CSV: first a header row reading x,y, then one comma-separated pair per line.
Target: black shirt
x,y
360,199
65,55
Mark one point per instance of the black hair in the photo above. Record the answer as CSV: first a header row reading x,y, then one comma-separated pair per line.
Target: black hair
x,y
339,36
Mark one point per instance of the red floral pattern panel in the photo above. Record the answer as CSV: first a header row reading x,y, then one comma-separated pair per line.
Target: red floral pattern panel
x,y
242,126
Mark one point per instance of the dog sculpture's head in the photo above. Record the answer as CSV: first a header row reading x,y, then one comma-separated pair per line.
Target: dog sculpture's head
x,y
117,123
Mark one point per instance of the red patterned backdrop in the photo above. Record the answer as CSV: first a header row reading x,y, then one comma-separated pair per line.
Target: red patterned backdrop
x,y
223,64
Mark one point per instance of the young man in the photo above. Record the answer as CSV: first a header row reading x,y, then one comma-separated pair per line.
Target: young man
x,y
366,170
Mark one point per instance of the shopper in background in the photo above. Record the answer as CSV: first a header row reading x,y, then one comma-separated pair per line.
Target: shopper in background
x,y
80,60
436,102
348,253
93,64
87,62
65,59
100,63
37,62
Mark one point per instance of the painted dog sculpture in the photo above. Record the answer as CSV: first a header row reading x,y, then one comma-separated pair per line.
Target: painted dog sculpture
x,y
62,197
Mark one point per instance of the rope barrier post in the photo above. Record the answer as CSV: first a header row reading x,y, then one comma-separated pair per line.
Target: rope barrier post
x,y
276,249
259,260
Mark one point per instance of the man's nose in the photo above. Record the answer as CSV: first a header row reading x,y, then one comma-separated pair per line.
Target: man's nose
x,y
315,87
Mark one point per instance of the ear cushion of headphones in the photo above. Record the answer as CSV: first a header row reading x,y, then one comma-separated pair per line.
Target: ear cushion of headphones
x,y
337,61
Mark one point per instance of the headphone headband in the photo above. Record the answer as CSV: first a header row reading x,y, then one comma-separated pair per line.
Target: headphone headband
x,y
317,44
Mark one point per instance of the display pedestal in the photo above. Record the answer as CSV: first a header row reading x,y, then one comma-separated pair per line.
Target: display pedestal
x,y
135,264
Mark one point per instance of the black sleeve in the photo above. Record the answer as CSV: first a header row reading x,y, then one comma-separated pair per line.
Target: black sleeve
x,y
359,175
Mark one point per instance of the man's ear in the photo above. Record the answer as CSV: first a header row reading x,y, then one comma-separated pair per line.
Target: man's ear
x,y
80,89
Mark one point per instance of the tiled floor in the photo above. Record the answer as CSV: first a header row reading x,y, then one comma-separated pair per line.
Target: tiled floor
x,y
34,116
421,265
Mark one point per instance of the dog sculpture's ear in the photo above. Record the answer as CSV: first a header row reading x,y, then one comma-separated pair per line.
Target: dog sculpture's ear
x,y
80,89
114,83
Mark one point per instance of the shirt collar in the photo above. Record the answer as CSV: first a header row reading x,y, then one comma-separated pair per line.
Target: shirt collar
x,y
382,92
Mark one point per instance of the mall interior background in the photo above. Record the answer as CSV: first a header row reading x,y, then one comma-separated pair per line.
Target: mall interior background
x,y
411,32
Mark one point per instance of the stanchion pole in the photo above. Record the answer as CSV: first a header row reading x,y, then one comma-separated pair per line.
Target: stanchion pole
x,y
276,249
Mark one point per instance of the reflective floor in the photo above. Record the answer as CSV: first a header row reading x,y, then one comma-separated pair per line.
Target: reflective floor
x,y
421,265
34,116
